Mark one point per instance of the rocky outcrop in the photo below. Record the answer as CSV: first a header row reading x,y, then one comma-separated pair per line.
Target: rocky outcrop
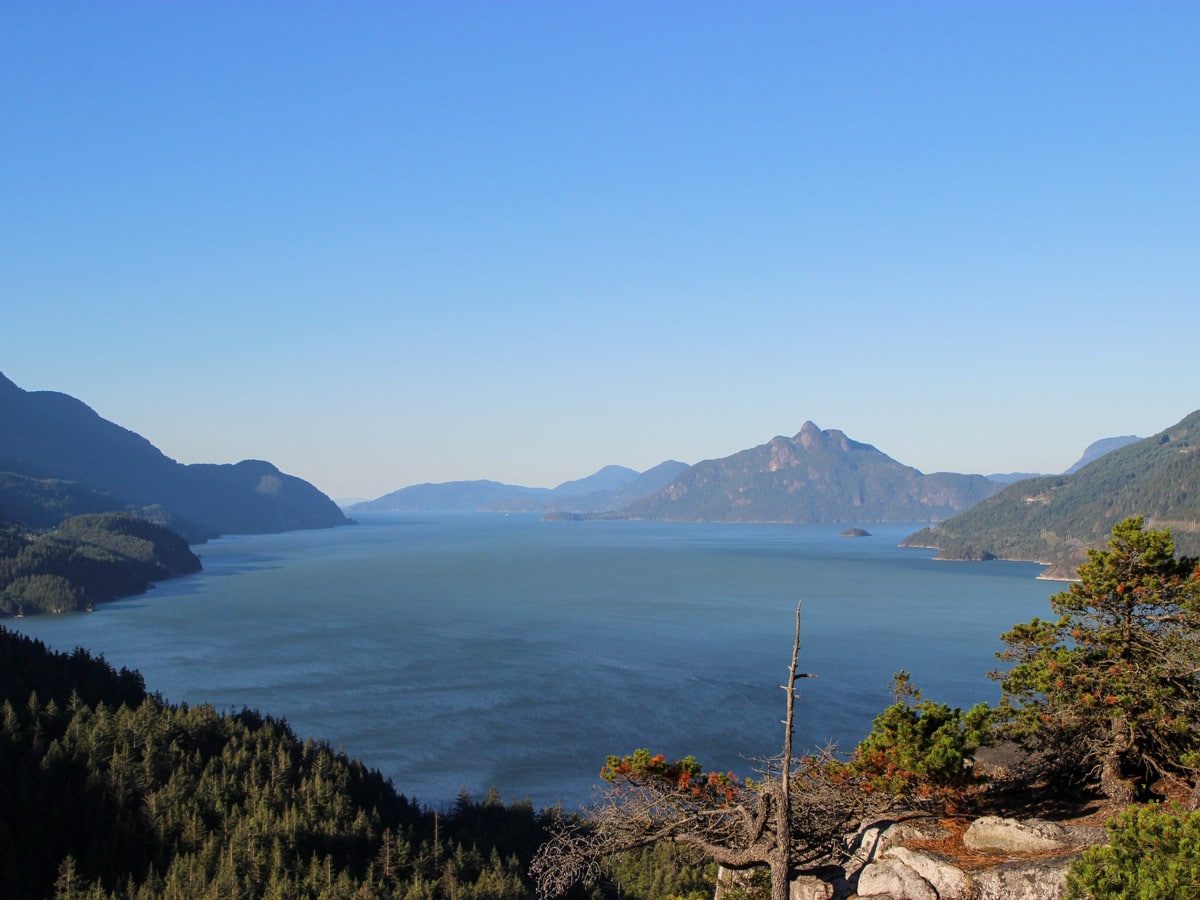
x,y
1033,880
808,887
1000,859
1026,837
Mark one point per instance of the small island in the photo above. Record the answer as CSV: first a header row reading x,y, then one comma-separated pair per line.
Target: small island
x,y
855,532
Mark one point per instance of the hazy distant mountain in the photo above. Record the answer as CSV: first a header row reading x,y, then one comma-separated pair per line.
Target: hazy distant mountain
x,y
609,501
607,479
1054,519
1094,451
815,476
610,488
1010,477
48,436
449,496
1099,448
647,484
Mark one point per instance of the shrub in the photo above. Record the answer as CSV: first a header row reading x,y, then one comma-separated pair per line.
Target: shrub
x,y
1154,852
917,746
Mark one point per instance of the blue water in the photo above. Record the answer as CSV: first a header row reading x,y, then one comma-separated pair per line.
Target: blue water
x,y
471,650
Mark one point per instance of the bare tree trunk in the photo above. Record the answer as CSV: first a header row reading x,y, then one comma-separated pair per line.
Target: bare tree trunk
x,y
781,859
1113,784
781,881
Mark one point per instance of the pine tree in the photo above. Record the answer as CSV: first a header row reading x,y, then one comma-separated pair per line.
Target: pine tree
x,y
1111,686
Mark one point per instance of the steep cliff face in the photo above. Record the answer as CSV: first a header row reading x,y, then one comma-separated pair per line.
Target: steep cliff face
x,y
813,477
52,436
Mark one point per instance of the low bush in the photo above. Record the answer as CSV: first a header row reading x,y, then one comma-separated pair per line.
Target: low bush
x,y
1153,853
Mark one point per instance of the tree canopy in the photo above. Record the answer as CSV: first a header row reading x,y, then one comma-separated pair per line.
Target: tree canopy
x,y
106,792
1111,686
86,560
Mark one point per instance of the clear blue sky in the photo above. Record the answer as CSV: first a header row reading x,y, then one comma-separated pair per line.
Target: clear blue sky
x,y
386,243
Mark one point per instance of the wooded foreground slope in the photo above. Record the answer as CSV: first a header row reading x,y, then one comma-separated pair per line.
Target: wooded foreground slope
x,y
107,791
1055,519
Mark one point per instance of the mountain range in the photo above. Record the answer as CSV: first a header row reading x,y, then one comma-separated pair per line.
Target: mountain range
x,y
1094,450
59,458
821,476
607,490
1055,519
813,477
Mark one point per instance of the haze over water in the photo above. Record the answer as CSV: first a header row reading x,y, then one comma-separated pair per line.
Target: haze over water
x,y
455,651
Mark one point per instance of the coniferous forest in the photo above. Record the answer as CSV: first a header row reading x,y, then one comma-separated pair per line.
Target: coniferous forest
x,y
86,560
107,791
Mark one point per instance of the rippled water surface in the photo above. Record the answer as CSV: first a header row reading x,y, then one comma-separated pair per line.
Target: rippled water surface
x,y
471,651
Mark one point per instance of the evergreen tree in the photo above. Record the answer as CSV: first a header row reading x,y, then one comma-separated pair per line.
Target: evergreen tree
x,y
1110,687
108,793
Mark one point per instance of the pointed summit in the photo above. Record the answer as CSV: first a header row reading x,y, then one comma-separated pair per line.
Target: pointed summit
x,y
808,435
815,477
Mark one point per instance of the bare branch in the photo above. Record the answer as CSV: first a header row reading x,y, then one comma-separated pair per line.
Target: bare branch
x,y
796,814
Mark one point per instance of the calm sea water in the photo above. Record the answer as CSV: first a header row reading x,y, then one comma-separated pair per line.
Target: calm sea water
x,y
470,650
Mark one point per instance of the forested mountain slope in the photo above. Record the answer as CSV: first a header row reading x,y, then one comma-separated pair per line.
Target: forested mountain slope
x,y
814,477
42,503
86,560
1055,519
107,791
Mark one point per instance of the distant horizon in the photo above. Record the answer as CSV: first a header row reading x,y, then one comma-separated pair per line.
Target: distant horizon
x,y
387,245
347,499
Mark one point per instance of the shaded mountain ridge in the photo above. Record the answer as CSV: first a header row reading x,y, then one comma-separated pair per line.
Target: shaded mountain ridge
x,y
49,438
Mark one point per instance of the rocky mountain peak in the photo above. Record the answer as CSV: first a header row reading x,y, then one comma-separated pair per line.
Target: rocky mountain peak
x,y
808,435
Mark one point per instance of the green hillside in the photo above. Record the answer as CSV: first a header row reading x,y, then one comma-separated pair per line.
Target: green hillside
x,y
1055,519
87,560
107,792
